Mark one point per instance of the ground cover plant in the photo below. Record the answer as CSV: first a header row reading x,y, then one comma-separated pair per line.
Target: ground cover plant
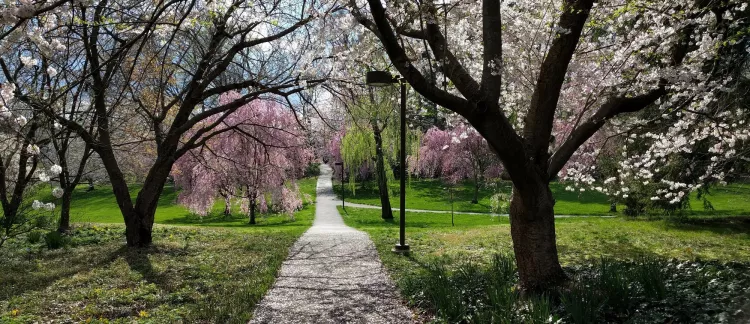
x,y
643,270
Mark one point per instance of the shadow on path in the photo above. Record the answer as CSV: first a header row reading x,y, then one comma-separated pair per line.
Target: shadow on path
x,y
333,275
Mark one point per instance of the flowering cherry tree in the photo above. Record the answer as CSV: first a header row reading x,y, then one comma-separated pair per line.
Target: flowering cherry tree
x,y
163,65
530,69
457,154
259,154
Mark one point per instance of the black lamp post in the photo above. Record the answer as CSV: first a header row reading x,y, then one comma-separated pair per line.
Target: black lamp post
x,y
381,79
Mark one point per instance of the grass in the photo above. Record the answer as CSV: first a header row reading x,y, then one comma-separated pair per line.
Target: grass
x,y
207,270
579,239
432,194
100,206
582,241
188,275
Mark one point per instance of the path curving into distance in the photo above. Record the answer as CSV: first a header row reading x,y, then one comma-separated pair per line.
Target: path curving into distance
x,y
332,275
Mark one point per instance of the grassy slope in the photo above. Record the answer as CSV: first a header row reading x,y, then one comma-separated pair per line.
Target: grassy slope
x,y
100,206
579,239
213,270
466,248
430,194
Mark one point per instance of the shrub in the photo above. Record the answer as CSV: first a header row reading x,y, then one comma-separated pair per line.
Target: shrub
x,y
312,170
500,203
34,237
615,284
649,273
55,240
582,304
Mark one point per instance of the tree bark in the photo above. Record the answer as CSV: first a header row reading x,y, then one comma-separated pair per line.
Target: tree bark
x,y
533,234
252,211
227,206
64,224
476,191
385,201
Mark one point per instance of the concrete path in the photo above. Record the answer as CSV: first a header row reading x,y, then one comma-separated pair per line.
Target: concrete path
x,y
333,275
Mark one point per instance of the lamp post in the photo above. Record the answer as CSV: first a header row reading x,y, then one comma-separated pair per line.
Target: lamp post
x,y
343,190
381,79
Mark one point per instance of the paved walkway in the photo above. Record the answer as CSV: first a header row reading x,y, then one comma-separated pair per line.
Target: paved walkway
x,y
333,275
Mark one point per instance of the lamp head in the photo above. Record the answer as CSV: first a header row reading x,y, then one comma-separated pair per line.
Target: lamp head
x,y
379,78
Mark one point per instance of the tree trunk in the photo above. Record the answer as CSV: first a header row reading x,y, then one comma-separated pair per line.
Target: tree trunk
x,y
476,191
252,211
64,224
385,201
227,206
533,232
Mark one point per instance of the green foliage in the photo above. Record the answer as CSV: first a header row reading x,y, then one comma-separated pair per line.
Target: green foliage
x,y
615,284
54,240
641,258
34,237
651,277
312,170
500,203
582,304
371,116
25,219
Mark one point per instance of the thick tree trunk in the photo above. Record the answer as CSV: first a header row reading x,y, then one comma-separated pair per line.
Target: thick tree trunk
x,y
252,211
145,205
385,201
64,224
532,227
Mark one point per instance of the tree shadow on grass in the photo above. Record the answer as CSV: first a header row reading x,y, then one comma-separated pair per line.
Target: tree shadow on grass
x,y
720,225
219,220
20,277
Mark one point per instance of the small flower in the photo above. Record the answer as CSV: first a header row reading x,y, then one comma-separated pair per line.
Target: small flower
x,y
52,72
44,177
21,121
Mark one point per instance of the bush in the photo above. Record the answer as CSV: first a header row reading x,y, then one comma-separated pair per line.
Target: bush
x,y
34,237
582,304
55,240
312,170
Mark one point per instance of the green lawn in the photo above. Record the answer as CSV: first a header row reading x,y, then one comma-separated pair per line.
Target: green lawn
x,y
100,206
431,194
207,270
579,238
456,261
